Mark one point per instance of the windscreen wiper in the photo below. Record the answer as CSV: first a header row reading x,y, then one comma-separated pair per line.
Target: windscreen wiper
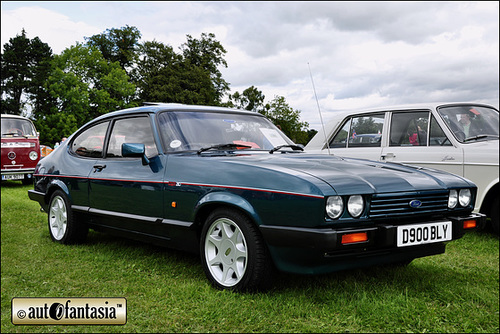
x,y
230,146
294,147
479,137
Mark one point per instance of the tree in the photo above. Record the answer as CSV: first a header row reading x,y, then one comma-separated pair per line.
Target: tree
x,y
191,77
208,54
251,99
117,45
84,86
25,65
287,119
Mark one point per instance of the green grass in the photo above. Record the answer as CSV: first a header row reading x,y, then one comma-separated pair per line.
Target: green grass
x,y
167,291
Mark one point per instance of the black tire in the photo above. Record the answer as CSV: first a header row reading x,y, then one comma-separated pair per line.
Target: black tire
x,y
494,213
233,253
63,226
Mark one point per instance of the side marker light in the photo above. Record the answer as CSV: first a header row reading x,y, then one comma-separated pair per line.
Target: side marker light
x,y
469,224
353,238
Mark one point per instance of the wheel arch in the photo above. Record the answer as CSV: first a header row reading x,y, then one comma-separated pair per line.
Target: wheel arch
x,y
216,200
53,187
490,196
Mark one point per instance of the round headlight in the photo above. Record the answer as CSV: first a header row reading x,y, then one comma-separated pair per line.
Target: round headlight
x,y
355,205
453,199
464,197
33,155
334,206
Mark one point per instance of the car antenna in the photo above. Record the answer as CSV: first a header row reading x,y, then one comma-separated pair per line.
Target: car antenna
x,y
319,110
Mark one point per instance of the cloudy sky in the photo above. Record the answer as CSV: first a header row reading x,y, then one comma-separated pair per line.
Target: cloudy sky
x,y
360,54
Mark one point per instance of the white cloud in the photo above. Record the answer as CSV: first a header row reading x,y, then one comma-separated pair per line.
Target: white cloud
x,y
55,29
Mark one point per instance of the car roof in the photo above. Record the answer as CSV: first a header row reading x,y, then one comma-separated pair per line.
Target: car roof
x,y
14,116
402,107
156,107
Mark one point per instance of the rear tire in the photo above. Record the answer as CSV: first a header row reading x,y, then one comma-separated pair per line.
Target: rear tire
x,y
233,253
64,228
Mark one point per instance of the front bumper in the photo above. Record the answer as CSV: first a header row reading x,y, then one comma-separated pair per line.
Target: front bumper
x,y
321,250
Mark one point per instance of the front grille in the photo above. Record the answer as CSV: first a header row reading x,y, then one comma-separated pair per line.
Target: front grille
x,y
393,205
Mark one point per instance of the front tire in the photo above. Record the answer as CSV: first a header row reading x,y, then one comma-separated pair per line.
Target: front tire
x,y
234,255
63,227
494,214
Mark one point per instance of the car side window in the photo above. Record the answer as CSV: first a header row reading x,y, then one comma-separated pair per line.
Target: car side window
x,y
409,128
340,139
90,142
135,130
437,136
362,131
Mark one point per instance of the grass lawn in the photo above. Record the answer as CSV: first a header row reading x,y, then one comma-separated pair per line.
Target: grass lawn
x,y
167,291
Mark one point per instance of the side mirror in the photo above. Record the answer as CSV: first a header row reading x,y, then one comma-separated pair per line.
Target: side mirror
x,y
135,150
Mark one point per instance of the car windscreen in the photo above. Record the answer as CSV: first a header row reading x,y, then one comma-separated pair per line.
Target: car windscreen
x,y
17,127
185,131
470,123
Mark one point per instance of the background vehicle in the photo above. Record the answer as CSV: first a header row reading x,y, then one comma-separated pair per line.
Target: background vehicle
x,y
229,185
427,135
20,148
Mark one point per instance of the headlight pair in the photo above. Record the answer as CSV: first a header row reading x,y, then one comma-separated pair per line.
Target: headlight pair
x,y
462,197
335,206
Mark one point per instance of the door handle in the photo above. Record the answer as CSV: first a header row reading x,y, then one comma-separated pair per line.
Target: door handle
x,y
98,168
387,156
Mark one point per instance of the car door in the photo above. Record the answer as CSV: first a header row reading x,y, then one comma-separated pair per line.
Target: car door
x,y
124,191
85,149
416,138
360,137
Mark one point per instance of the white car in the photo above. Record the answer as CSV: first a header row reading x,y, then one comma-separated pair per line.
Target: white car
x,y
461,138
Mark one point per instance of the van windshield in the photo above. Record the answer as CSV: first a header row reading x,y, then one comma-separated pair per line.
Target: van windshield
x,y
17,127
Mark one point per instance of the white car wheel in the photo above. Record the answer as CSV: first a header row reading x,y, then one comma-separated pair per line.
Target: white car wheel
x,y
226,252
58,218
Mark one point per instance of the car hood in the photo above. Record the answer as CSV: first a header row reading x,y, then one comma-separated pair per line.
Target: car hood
x,y
319,174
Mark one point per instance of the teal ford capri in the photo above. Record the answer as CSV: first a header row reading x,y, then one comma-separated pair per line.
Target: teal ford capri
x,y
229,185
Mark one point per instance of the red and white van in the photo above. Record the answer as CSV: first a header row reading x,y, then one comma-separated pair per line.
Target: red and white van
x,y
20,148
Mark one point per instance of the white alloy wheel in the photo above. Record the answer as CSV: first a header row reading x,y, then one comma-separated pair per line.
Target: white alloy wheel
x,y
58,218
226,252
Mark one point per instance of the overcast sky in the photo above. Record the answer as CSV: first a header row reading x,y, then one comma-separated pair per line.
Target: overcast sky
x,y
361,54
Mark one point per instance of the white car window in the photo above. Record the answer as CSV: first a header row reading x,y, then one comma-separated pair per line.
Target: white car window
x,y
409,128
363,131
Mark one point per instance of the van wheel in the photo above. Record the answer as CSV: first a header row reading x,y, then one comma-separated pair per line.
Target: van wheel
x,y
63,226
234,255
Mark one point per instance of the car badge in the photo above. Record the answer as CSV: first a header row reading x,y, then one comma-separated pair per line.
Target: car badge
x,y
415,203
11,155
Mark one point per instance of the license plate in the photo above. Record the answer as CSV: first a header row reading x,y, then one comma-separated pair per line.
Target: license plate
x,y
13,177
411,235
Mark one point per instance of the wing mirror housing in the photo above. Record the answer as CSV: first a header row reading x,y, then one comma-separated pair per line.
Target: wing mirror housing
x,y
135,150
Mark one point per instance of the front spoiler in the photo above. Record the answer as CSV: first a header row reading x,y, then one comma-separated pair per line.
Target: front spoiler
x,y
329,239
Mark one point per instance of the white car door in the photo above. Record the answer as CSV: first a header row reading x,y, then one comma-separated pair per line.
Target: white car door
x,y
412,139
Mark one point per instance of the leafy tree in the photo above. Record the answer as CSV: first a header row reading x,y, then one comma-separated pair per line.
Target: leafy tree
x,y
208,54
84,86
191,77
117,45
287,119
251,99
25,65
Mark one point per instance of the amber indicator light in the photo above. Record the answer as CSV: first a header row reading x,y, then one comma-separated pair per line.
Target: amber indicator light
x,y
354,238
469,224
